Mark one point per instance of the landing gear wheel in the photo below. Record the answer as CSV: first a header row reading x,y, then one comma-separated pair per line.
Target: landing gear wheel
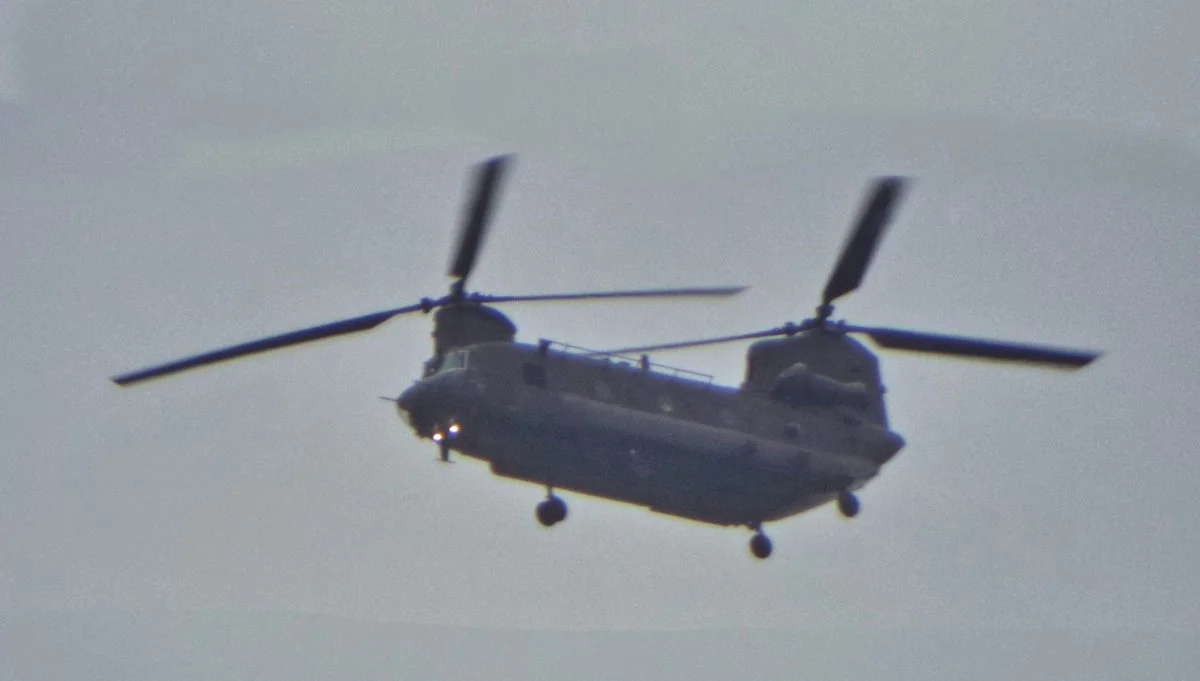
x,y
760,545
848,504
551,511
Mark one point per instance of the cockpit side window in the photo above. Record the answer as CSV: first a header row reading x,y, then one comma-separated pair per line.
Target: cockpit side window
x,y
454,360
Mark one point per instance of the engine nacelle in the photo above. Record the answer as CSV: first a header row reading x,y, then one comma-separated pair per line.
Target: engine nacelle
x,y
800,386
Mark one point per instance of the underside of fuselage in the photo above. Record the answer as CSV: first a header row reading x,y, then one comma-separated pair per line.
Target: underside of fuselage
x,y
653,477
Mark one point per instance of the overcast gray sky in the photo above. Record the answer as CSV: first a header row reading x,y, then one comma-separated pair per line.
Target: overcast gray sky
x,y
177,177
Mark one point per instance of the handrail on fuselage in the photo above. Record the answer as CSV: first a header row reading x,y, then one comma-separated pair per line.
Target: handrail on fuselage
x,y
642,362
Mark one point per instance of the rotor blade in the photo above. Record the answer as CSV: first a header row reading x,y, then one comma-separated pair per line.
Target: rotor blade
x,y
897,339
856,254
719,292
477,214
345,326
785,330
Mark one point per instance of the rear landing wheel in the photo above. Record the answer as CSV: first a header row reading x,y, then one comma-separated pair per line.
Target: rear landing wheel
x,y
848,504
760,545
551,511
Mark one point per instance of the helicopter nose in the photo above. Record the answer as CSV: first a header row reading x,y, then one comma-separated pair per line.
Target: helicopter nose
x,y
432,399
417,393
415,405
427,401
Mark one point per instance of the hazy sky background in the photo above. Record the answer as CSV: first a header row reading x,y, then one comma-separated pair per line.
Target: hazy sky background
x,y
181,176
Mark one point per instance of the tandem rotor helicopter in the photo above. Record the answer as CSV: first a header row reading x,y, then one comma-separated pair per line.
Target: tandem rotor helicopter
x,y
807,426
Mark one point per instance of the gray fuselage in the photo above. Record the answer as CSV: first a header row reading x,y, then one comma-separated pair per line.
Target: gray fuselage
x,y
632,433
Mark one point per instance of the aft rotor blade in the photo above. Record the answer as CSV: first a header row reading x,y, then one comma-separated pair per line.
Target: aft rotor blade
x,y
477,214
785,330
860,247
345,326
897,339
718,292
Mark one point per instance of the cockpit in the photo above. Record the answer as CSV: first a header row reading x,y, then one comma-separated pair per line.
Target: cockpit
x,y
453,360
456,359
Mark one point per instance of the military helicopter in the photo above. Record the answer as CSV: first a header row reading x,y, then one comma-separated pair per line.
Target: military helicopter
x,y
807,426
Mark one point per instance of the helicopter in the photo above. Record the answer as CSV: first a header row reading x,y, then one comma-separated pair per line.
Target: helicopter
x,y
807,426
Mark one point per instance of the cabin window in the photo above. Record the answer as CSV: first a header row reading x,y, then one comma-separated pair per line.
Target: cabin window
x,y
534,374
665,404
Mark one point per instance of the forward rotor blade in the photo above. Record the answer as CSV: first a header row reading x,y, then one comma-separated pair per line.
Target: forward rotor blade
x,y
477,215
786,330
860,247
345,326
719,292
915,341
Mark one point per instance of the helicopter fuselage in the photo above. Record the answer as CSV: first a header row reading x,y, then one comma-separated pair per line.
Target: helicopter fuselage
x,y
643,434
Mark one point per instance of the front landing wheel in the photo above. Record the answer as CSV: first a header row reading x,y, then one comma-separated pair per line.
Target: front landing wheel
x,y
760,545
551,511
848,504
